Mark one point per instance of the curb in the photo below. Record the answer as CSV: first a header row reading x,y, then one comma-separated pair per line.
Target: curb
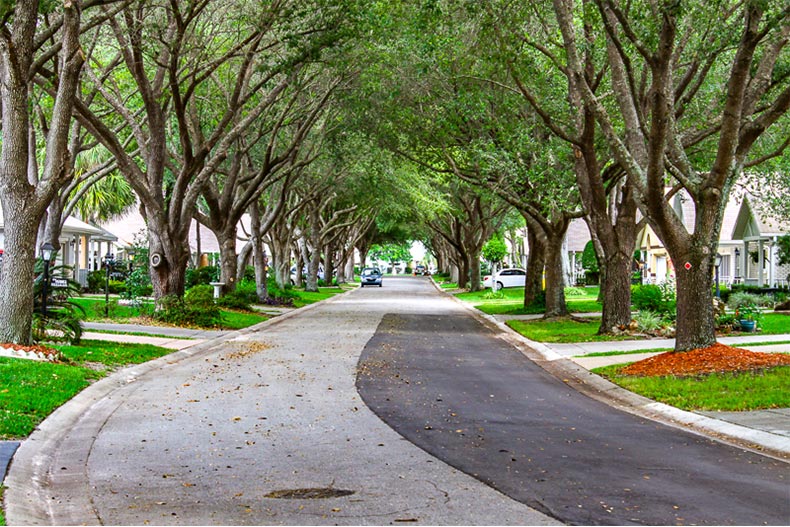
x,y
65,439
596,387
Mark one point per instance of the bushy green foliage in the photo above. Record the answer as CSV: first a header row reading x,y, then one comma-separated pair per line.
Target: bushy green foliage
x,y
589,259
650,297
277,295
201,276
238,299
648,320
117,287
62,320
197,308
96,281
494,250
575,291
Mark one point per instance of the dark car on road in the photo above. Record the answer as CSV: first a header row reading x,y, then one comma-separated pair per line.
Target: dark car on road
x,y
370,276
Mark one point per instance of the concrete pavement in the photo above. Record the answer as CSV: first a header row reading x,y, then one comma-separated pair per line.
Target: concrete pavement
x,y
250,428
70,470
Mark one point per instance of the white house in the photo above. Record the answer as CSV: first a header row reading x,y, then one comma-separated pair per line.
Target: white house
x,y
81,246
756,234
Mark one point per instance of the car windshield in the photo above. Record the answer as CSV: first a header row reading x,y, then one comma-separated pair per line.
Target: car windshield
x,y
368,272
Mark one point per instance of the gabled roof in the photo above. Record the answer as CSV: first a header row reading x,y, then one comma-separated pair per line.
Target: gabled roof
x,y
752,222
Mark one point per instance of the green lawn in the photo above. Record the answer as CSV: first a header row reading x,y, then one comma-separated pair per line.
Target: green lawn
x,y
510,301
724,392
304,298
568,330
94,311
31,390
563,330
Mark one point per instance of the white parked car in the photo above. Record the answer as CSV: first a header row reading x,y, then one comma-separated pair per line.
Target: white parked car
x,y
513,277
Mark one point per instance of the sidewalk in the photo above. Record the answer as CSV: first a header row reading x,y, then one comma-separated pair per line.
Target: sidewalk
x,y
775,422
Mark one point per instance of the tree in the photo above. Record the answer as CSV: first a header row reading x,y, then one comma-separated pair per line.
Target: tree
x,y
187,85
494,250
391,253
699,92
40,60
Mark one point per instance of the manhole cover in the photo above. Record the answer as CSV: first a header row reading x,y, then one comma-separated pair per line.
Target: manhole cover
x,y
308,494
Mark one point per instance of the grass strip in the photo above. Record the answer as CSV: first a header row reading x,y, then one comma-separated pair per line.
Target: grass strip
x,y
732,392
564,330
510,301
31,390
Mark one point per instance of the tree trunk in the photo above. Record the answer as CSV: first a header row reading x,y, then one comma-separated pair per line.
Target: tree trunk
x,y
169,277
555,283
536,262
474,271
329,264
616,290
227,258
695,326
16,287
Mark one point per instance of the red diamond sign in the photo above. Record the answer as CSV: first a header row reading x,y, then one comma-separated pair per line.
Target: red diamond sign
x,y
687,265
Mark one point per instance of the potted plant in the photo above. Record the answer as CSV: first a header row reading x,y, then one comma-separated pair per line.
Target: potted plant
x,y
747,316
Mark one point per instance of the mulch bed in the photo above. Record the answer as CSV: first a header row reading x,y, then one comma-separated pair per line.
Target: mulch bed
x,y
30,352
718,358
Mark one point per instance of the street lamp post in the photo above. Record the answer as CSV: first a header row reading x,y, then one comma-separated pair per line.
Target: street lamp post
x,y
108,259
46,255
718,263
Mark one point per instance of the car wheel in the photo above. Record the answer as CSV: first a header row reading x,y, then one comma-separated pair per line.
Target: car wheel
x,y
379,285
499,286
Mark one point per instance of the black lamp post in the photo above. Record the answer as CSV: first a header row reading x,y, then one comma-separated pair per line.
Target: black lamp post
x,y
46,255
108,259
717,264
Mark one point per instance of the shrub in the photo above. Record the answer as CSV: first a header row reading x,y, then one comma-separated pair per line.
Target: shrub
x,y
408,270
575,291
61,322
648,320
201,276
116,287
654,298
96,281
238,300
490,294
197,308
741,299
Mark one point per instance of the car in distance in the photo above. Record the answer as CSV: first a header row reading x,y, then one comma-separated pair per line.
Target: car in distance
x,y
420,270
513,277
370,276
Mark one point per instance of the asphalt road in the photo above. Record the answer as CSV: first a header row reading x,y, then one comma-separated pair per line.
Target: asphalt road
x,y
266,426
450,386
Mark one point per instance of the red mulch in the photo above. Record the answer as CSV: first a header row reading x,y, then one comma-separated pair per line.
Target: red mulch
x,y
35,348
716,358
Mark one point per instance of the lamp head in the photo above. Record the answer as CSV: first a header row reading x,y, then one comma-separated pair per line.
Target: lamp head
x,y
718,259
46,251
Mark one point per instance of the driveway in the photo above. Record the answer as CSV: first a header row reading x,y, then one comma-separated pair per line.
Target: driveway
x,y
263,426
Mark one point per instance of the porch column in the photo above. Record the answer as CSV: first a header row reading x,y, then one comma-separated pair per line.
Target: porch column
x,y
76,271
760,264
771,263
745,261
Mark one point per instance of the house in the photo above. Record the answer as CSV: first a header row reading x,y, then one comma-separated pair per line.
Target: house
x,y
756,234
80,246
744,230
